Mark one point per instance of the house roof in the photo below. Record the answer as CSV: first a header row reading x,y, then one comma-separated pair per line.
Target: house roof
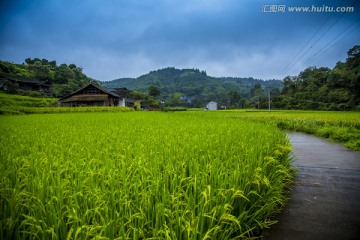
x,y
91,84
122,92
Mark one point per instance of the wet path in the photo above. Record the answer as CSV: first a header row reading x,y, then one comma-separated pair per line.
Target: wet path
x,y
325,200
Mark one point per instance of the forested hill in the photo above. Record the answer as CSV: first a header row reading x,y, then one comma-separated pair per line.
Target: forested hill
x,y
192,83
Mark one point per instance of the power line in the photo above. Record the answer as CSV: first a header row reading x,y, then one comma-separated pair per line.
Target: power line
x,y
292,63
312,37
288,67
318,39
332,42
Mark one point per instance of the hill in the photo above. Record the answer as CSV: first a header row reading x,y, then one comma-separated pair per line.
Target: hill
x,y
192,84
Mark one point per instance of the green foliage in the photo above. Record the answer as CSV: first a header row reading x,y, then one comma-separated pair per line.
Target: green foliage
x,y
174,100
147,101
63,79
137,106
324,88
154,91
234,97
136,176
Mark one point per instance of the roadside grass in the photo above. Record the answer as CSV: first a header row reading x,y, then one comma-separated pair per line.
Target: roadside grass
x,y
342,127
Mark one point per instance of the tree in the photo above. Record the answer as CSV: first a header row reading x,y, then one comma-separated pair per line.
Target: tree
x,y
151,102
137,95
154,91
44,61
234,97
174,100
353,73
197,103
41,72
257,91
72,66
28,61
63,74
52,63
353,59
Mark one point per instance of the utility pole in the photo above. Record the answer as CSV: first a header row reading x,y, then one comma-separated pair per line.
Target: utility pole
x,y
269,101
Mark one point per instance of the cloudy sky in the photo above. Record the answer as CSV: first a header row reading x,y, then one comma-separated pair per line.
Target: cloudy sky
x,y
110,39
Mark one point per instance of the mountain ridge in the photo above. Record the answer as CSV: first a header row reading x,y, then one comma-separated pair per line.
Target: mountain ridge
x,y
192,83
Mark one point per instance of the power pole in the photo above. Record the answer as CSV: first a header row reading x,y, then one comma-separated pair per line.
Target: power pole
x,y
269,101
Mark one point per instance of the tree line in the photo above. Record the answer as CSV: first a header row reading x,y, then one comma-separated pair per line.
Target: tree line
x,y
314,88
324,88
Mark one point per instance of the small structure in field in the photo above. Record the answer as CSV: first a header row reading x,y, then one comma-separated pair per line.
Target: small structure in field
x,y
212,106
92,95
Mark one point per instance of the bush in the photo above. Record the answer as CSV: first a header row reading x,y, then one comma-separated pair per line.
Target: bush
x,y
174,109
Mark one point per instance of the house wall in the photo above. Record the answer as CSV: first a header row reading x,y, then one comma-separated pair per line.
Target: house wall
x,y
212,106
122,102
91,95
90,100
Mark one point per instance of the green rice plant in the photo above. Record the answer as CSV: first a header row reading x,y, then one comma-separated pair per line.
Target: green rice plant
x,y
140,175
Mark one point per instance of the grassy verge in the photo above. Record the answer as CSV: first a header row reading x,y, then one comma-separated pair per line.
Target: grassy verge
x,y
342,127
16,105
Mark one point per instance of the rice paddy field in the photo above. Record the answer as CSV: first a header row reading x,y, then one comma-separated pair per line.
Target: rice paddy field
x,y
140,175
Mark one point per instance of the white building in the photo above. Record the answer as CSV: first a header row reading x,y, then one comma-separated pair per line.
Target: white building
x,y
122,102
212,105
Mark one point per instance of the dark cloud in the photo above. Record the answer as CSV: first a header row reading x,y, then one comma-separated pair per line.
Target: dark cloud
x,y
112,39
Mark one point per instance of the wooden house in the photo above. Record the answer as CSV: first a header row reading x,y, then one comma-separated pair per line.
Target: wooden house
x,y
92,95
23,83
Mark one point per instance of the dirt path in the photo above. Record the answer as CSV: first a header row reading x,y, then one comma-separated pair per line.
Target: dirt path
x,y
325,201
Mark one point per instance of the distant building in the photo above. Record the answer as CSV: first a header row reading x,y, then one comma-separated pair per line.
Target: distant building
x,y
92,95
186,99
125,96
23,83
212,106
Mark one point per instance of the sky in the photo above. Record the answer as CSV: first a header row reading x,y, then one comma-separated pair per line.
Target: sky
x,y
113,39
